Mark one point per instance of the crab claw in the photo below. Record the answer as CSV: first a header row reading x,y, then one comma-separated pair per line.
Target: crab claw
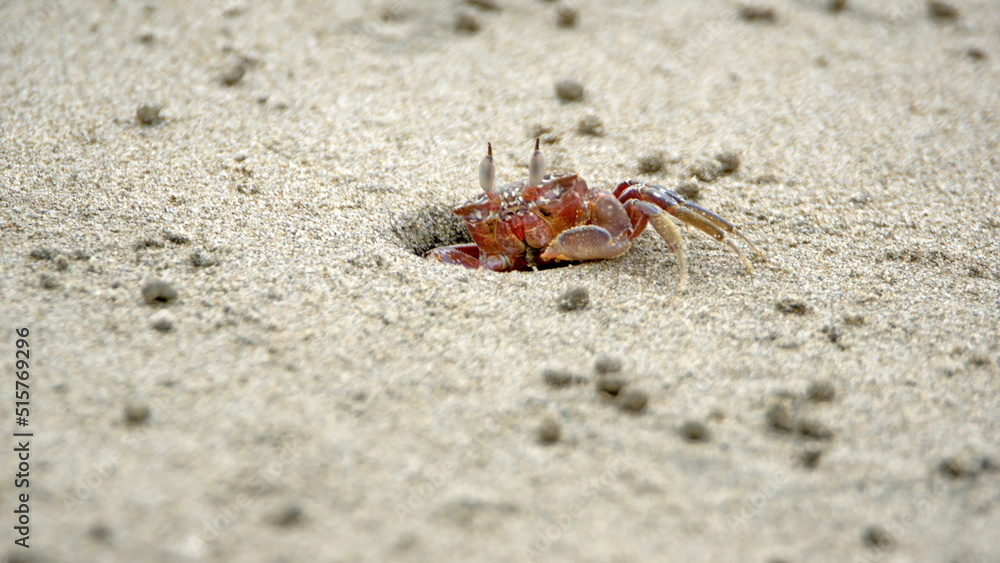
x,y
606,237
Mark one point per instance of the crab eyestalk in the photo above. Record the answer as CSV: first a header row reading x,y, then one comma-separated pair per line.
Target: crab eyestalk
x,y
536,167
488,172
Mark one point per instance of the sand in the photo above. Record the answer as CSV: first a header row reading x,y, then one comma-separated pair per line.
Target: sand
x,y
318,392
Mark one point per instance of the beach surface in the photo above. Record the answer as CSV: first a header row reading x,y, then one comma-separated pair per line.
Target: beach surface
x,y
211,221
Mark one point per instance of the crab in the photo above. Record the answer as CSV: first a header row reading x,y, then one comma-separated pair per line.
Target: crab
x,y
551,219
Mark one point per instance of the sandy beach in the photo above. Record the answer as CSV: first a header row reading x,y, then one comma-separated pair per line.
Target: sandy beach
x,y
212,217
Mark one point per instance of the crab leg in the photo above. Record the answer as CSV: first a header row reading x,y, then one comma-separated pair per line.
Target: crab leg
x,y
690,214
642,211
725,226
470,256
706,225
460,255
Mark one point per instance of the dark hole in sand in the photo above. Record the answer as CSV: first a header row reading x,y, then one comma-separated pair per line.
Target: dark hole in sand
x,y
430,227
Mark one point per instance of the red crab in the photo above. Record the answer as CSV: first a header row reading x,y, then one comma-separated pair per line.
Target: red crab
x,y
556,218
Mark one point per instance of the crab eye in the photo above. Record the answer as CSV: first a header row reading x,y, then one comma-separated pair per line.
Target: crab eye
x,y
487,171
536,167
